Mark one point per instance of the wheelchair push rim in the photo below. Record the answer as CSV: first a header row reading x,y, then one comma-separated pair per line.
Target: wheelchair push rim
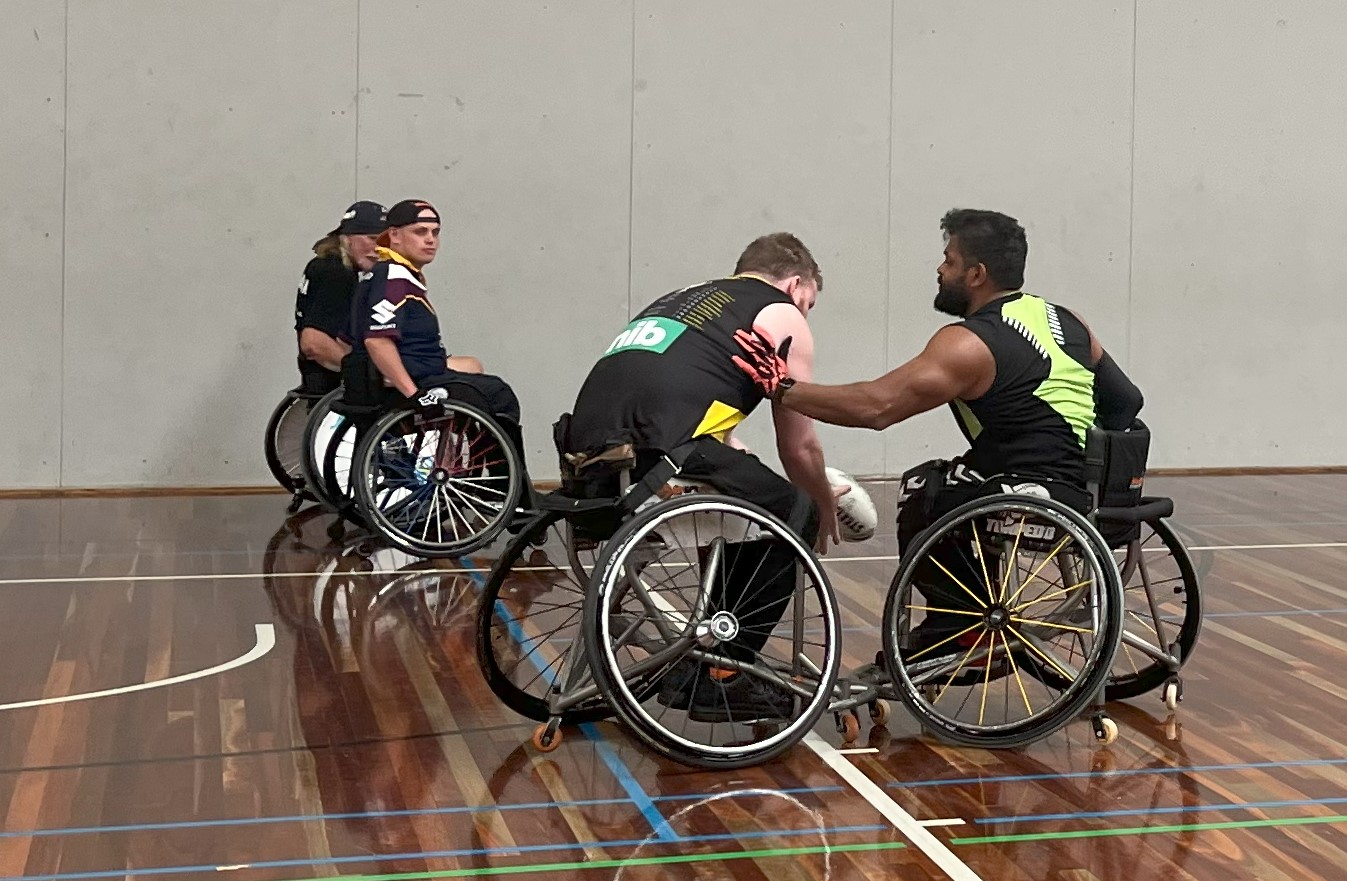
x,y
652,606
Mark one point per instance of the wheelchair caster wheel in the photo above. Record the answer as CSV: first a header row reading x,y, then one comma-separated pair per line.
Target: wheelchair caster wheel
x,y
547,737
879,712
336,530
1105,729
1171,694
849,726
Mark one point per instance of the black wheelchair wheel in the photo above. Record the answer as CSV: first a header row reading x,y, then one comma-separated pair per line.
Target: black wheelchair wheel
x,y
1155,567
440,486
284,438
528,619
318,430
1002,621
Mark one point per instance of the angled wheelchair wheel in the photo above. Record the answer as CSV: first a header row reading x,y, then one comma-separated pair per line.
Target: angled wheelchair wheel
x,y
338,460
319,429
729,614
1002,621
1162,612
284,438
436,487
528,621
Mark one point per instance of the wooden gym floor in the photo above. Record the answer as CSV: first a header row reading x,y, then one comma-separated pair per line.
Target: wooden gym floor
x,y
194,688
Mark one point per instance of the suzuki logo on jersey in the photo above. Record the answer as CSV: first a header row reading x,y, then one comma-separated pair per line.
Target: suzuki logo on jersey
x,y
384,311
649,334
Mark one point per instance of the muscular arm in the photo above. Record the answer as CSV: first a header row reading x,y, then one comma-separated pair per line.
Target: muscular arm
x,y
954,364
1117,400
384,353
318,346
797,442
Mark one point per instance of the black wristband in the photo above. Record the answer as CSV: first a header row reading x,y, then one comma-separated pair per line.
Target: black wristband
x,y
781,388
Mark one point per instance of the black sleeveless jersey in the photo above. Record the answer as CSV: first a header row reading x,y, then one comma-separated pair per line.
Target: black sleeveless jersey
x,y
668,376
1033,419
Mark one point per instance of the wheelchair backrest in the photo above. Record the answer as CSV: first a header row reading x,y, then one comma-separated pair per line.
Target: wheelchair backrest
x,y
1115,463
362,381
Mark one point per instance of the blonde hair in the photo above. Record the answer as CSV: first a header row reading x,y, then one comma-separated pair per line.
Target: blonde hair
x,y
334,246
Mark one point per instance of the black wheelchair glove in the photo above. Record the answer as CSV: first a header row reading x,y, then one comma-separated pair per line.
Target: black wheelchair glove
x,y
427,402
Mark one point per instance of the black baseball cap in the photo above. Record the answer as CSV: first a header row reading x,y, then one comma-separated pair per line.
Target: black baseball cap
x,y
410,211
362,219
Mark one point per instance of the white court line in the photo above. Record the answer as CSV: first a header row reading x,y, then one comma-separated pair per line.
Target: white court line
x,y
858,751
225,576
266,641
880,801
951,821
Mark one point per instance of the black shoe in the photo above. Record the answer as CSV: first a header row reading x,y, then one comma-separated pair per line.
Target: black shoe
x,y
675,689
740,698
875,674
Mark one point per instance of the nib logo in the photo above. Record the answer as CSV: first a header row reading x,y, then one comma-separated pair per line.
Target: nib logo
x,y
650,334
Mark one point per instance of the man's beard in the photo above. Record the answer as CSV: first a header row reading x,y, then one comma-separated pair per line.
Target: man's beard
x,y
952,299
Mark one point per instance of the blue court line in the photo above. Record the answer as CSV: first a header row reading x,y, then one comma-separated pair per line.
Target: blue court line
x,y
1187,769
610,757
1179,809
440,854
373,815
628,783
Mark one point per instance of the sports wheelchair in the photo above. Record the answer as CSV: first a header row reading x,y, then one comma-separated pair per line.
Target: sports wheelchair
x,y
1012,614
283,440
441,482
640,593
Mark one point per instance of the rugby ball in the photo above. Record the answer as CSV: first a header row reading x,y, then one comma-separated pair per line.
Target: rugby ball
x,y
856,516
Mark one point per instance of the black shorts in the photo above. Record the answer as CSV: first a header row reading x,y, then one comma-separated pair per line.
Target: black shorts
x,y
482,390
741,474
933,489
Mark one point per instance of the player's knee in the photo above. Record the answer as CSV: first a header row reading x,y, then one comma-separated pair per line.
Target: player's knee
x,y
465,364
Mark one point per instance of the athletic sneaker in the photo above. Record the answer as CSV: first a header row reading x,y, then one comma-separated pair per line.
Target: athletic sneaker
x,y
738,697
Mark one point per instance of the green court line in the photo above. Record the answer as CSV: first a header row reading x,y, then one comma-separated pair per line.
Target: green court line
x,y
1149,830
613,864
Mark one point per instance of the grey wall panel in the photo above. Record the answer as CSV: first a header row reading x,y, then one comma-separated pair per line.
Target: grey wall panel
x,y
1023,108
1241,212
515,120
759,116
32,144
209,145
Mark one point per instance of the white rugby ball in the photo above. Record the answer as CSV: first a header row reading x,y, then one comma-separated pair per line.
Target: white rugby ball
x,y
856,516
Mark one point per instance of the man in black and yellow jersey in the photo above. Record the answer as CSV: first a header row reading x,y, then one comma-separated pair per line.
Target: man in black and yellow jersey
x,y
667,383
1025,378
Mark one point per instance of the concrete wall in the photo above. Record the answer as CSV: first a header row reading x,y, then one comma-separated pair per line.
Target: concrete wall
x,y
1177,167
